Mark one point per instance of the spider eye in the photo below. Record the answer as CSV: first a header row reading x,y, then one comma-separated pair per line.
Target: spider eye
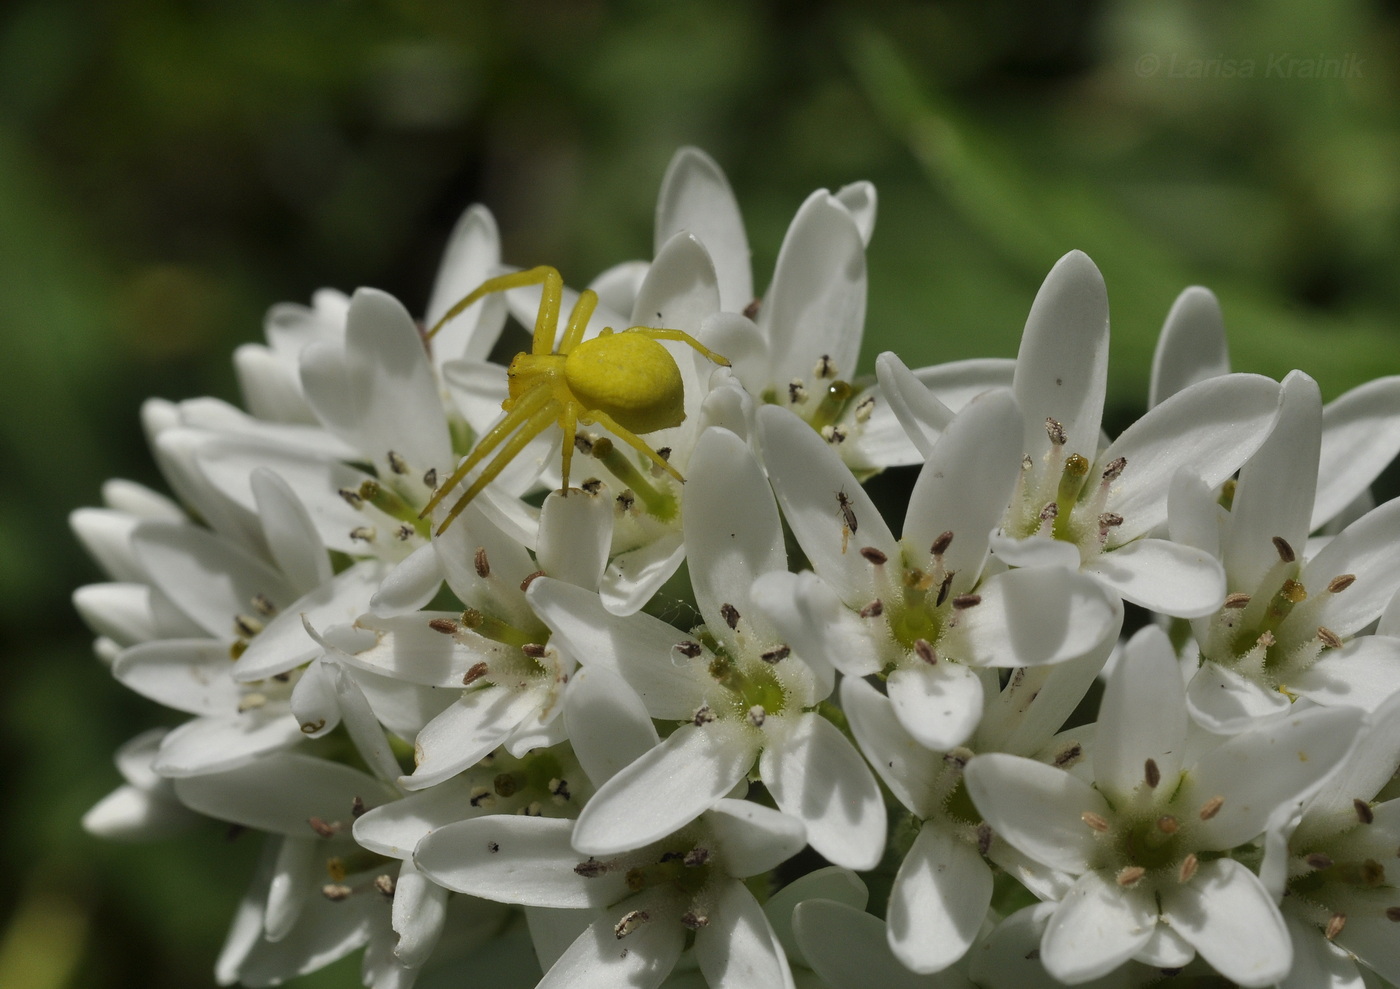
x,y
630,377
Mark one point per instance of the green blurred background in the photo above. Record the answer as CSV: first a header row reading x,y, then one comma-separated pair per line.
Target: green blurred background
x,y
169,170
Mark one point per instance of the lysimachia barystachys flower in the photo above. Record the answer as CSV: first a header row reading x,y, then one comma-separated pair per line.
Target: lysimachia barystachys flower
x,y
1150,839
1290,625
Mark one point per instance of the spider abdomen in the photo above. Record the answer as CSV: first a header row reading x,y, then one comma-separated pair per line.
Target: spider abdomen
x,y
630,377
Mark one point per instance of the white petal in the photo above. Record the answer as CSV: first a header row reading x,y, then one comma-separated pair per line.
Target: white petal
x,y
314,703
1024,715
965,486
752,838
823,632
815,304
909,769
209,745
599,959
816,775
281,792
860,200
1211,427
632,578
1163,576
1191,346
1193,513
514,858
732,530
1362,774
129,813
939,901
189,675
637,648
1260,770
921,415
847,947
1165,949
361,724
1273,499
106,535
939,705
1009,958
1142,716
1062,367
411,584
1360,435
474,537
1371,938
738,950
291,534
607,723
1036,616
284,644
139,500
472,254
1364,673
327,931
293,878
810,480
1226,913
419,913
617,286
1367,549
680,288
1317,962
1035,551
1037,808
958,382
1223,701
695,196
553,930
1098,926
665,789
575,534
466,732
830,883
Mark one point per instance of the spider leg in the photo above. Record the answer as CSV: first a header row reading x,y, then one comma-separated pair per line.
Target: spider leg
x,y
569,420
537,423
578,320
632,440
523,412
657,333
551,298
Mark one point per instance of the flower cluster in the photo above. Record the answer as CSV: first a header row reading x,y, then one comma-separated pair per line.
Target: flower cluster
x,y
644,732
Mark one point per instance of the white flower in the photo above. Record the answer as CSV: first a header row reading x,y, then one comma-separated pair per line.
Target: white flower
x,y
1287,626
1145,839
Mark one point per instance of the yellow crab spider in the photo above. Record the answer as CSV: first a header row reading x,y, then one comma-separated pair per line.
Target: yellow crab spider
x,y
625,382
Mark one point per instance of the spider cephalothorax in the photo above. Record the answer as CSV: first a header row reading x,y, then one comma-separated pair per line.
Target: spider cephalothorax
x,y
626,382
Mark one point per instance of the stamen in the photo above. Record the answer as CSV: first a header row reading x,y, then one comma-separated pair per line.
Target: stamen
x,y
430,478
964,601
1211,807
1151,773
559,790
533,649
591,869
833,434
1341,583
688,649
263,605
324,828
1114,470
246,626
530,578
1236,601
694,921
397,463
357,806
730,614
874,609
385,883
1168,824
984,837
703,716
865,409
363,533
352,498
1096,822
483,565
592,486
1285,551
481,797
751,310
1069,756
1055,431
626,500
477,671
757,715
924,651
825,368
658,503
1364,814
874,555
1189,865
941,544
630,921
335,892
1335,923
797,391
695,858
1317,860
775,655
1130,875
1328,638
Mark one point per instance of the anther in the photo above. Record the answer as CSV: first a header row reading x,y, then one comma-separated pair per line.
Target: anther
x,y
865,409
477,671
1237,600
776,654
964,601
941,544
323,828
730,614
825,367
1109,520
1328,638
874,555
404,532
925,651
1096,822
1364,814
630,922
251,702
1168,824
1114,470
591,869
756,716
530,579
874,609
695,858
1335,923
397,464
1069,756
246,625
1285,551
263,605
592,486
694,921
559,790
385,883
335,892
1049,512
984,837
1151,773
1189,865
363,533
751,310
1055,430
626,499
833,434
1341,583
1130,875
688,649
1211,807
797,391
482,797
703,716
583,443
533,649
430,477
357,806
958,758
483,565
352,497
1318,860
